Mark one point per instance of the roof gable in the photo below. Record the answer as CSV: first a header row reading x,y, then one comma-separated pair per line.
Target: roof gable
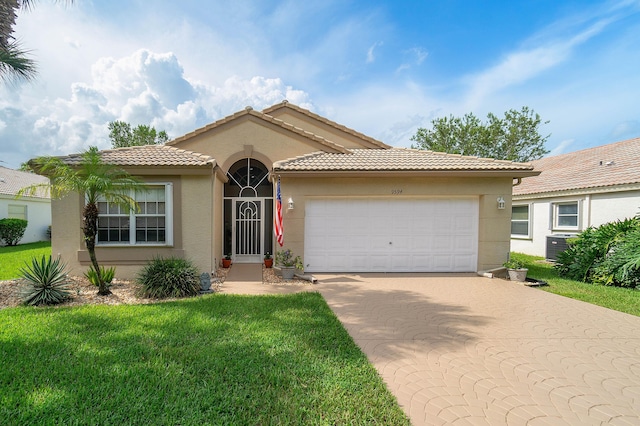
x,y
285,108
249,113
603,166
11,181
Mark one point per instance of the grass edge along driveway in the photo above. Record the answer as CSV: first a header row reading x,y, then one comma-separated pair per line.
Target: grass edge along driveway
x,y
616,298
218,359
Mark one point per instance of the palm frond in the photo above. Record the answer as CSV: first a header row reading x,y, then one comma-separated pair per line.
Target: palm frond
x,y
14,63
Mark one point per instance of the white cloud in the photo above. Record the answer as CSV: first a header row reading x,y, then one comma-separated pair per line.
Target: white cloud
x,y
414,56
561,148
142,88
370,53
527,63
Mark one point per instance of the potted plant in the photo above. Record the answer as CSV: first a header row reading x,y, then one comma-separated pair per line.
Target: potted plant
x,y
268,260
516,270
226,262
289,264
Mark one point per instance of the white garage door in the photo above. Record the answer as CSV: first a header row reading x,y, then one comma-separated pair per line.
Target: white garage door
x,y
391,235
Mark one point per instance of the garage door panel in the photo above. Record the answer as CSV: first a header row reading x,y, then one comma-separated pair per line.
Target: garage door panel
x,y
442,243
392,235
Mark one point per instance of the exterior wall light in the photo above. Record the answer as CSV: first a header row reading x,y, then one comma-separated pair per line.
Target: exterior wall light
x,y
500,203
291,205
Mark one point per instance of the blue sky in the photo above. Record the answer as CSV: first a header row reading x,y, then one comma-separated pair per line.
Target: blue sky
x,y
384,68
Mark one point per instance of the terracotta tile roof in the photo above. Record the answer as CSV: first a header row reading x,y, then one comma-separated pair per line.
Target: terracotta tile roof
x,y
148,155
248,111
11,181
396,159
287,104
603,166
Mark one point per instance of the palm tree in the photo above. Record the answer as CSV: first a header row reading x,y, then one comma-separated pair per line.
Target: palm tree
x,y
13,60
94,180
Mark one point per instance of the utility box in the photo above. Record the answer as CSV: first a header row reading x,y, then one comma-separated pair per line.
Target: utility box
x,y
557,244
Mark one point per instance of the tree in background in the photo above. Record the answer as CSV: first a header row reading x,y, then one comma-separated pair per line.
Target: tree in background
x,y
94,181
516,137
123,135
14,62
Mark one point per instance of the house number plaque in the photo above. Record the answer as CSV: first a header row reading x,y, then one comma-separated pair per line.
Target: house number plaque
x,y
396,191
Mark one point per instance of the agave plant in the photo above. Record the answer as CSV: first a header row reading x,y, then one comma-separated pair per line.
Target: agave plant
x,y
46,282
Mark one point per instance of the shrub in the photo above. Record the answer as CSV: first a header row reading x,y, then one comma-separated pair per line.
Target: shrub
x,y
46,282
12,230
514,264
621,266
169,277
107,275
590,248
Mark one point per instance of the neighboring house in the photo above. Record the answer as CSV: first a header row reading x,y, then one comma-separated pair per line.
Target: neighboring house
x,y
35,209
350,203
575,191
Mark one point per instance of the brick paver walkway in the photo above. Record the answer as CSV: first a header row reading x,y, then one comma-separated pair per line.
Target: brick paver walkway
x,y
467,350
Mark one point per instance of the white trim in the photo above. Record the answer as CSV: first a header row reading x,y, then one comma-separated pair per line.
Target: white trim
x,y
529,221
168,221
555,216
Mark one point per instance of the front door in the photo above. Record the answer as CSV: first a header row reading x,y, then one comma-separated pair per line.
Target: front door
x,y
248,212
248,229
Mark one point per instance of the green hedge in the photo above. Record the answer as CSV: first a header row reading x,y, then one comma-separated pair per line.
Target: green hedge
x,y
12,230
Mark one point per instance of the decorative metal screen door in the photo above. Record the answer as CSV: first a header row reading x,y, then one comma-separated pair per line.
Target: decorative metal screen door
x,y
248,201
248,229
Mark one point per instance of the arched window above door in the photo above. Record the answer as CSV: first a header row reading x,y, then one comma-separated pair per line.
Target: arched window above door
x,y
248,178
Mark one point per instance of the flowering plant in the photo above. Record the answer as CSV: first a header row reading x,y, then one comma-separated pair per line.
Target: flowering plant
x,y
286,259
267,255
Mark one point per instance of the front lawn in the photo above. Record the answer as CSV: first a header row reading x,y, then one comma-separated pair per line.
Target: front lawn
x,y
617,298
218,359
13,258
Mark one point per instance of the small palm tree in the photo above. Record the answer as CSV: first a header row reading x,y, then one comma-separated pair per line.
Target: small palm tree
x,y
93,179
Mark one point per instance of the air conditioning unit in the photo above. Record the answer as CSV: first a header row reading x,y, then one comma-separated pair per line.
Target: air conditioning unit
x,y
557,244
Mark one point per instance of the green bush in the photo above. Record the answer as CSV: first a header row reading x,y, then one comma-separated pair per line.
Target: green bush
x,y
169,277
107,275
12,230
621,266
590,249
46,282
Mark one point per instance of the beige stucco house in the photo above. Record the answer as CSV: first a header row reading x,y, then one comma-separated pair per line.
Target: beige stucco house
x,y
350,203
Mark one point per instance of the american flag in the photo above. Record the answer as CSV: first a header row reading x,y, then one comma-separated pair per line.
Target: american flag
x,y
278,219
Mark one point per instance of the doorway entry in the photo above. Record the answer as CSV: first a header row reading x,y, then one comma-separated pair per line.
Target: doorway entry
x,y
248,212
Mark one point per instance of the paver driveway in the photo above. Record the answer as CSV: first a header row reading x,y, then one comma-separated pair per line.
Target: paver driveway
x,y
472,350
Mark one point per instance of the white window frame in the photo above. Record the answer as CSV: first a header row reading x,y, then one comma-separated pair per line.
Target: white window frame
x,y
168,215
14,215
529,220
556,216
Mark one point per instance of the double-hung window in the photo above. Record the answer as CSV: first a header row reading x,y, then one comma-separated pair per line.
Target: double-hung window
x,y
521,221
149,224
566,216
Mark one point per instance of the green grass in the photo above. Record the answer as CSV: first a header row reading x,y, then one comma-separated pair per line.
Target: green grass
x,y
218,359
13,258
617,298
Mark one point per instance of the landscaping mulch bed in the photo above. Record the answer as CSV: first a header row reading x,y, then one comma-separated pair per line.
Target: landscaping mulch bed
x,y
123,292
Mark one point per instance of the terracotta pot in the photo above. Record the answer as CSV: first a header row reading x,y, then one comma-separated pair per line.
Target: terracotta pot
x,y
226,263
268,263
